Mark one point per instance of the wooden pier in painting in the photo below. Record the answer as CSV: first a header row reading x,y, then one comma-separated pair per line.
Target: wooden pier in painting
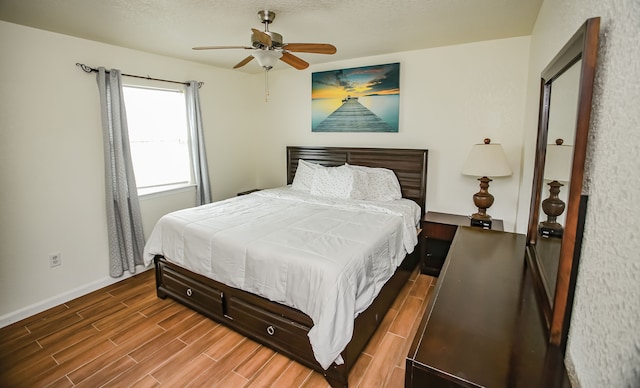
x,y
352,116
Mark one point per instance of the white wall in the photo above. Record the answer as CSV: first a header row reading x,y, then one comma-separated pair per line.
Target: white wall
x,y
450,98
604,338
51,160
52,197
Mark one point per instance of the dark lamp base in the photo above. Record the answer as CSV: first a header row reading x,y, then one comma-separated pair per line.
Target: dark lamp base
x,y
550,229
481,216
483,200
552,207
482,223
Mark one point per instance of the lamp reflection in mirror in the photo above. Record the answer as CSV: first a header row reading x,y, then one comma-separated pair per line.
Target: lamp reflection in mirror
x,y
557,168
485,160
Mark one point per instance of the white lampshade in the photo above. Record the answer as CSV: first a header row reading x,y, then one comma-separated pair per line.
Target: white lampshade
x,y
557,165
487,160
267,58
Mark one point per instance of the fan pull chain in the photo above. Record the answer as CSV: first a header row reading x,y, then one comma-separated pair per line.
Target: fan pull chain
x,y
266,85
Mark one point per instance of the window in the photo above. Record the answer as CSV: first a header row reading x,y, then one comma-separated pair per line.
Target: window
x,y
159,138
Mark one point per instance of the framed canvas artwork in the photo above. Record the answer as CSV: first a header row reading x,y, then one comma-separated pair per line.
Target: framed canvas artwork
x,y
359,99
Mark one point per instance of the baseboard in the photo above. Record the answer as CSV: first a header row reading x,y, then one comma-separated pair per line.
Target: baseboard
x,y
46,304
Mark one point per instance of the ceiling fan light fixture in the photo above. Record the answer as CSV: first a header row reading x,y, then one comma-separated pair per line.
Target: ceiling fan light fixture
x,y
268,46
267,58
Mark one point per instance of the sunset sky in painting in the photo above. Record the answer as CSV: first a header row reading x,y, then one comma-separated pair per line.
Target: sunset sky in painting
x,y
356,82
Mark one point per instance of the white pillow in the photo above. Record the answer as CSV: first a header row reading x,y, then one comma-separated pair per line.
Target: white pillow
x,y
381,184
334,182
303,180
359,184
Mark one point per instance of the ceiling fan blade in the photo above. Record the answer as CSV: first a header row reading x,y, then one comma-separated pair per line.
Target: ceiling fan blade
x,y
221,47
315,48
244,62
262,37
293,61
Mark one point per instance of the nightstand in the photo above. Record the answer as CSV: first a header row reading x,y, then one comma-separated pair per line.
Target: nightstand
x,y
438,230
247,192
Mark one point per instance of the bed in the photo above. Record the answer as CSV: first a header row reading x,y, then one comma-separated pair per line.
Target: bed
x,y
255,291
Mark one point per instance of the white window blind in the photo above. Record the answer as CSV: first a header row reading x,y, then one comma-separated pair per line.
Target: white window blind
x,y
159,138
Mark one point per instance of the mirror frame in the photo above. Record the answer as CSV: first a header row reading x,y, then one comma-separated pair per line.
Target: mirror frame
x,y
556,306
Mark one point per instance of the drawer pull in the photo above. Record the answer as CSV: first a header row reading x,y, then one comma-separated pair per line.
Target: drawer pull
x,y
270,330
189,292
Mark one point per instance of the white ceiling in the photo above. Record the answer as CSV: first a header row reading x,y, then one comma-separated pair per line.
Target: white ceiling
x,y
358,28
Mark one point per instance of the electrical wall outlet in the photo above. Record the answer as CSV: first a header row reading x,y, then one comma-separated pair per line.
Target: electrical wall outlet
x,y
55,260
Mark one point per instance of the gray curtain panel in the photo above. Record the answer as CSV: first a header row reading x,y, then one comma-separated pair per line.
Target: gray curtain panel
x,y
126,237
199,155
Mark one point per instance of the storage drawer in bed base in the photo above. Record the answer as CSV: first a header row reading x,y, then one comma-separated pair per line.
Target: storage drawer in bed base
x,y
280,327
275,325
270,329
199,294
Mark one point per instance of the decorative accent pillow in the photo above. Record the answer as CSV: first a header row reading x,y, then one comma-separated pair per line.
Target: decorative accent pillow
x,y
303,180
335,182
359,184
381,184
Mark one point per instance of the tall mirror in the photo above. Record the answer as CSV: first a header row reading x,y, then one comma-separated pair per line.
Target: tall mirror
x,y
556,215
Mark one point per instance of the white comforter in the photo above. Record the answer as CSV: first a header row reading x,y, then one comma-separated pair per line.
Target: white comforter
x,y
328,258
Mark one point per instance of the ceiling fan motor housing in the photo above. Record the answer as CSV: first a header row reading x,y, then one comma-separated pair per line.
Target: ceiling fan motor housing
x,y
276,40
266,17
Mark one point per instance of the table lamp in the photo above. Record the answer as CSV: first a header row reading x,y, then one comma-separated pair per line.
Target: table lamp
x,y
557,168
485,160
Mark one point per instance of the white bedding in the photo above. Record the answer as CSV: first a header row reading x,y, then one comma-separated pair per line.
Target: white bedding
x,y
328,258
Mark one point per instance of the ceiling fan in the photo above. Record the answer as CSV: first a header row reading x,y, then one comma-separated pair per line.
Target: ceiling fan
x,y
267,47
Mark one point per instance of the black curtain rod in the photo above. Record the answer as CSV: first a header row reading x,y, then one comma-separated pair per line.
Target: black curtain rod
x,y
89,69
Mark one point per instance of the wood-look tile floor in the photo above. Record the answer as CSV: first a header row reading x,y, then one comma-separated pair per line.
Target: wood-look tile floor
x,y
124,336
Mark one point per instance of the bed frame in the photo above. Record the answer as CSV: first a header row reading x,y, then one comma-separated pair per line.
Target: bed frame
x,y
280,327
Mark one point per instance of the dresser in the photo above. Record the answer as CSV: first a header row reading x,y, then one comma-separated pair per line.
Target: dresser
x,y
482,327
438,230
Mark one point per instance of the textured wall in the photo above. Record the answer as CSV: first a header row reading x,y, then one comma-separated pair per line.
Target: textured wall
x,y
604,338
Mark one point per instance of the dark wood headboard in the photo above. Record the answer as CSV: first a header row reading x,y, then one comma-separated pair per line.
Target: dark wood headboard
x,y
410,165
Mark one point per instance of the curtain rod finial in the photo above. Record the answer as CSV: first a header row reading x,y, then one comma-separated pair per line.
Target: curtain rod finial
x,y
85,68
